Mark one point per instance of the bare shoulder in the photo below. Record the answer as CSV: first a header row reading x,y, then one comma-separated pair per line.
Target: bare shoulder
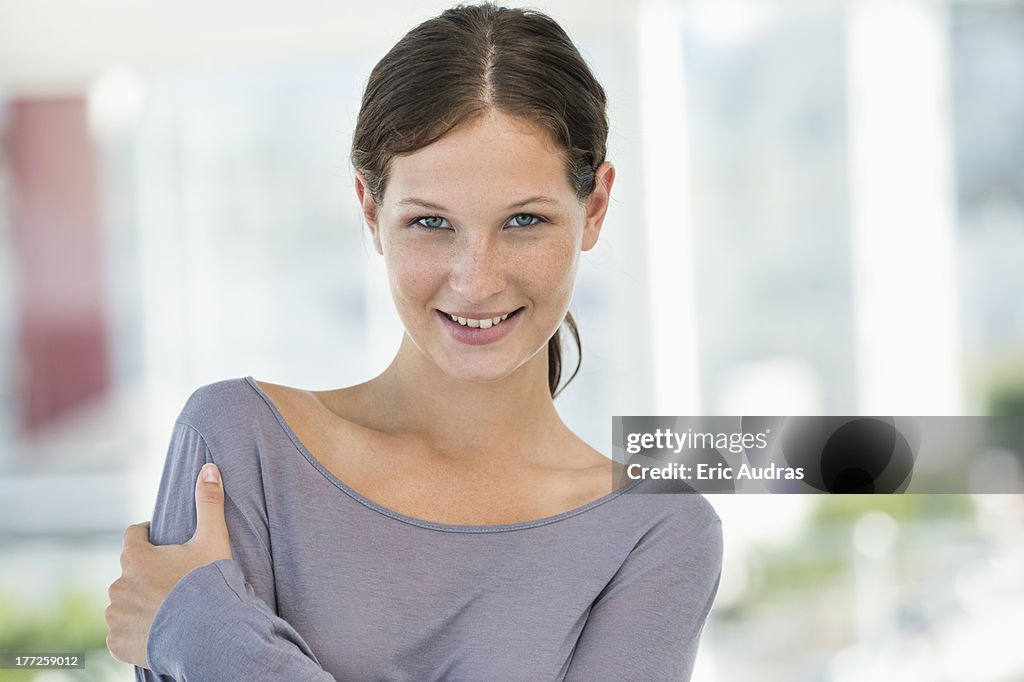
x,y
313,420
280,394
301,402
584,474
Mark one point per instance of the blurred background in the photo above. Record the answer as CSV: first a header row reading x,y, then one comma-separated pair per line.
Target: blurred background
x,y
819,210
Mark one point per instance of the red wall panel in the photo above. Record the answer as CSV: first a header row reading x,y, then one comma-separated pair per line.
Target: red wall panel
x,y
58,258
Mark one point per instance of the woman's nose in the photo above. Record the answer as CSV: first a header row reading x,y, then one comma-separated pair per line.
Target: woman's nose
x,y
478,270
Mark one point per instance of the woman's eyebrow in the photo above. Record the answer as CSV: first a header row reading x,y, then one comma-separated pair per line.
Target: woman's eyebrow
x,y
539,199
423,203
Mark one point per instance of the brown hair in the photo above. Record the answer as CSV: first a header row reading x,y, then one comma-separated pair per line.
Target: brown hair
x,y
459,65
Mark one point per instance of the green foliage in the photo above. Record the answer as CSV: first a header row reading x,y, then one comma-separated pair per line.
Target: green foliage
x,y
820,559
1007,400
848,508
1000,385
73,622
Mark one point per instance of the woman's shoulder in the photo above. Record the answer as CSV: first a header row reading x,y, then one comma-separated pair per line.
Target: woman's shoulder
x,y
243,397
219,402
681,526
673,506
228,420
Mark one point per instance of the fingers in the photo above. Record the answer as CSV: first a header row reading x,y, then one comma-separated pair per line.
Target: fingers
x,y
137,534
136,541
128,623
210,524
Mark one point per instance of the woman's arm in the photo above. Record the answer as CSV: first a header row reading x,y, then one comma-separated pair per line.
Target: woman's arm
x,y
646,623
217,622
213,627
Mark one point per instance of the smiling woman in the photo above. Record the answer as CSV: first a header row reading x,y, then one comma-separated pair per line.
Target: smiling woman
x,y
439,521
483,255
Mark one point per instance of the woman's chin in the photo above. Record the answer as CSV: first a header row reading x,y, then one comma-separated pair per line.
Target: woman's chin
x,y
477,376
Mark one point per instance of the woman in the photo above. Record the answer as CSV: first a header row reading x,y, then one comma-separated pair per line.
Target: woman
x,y
438,521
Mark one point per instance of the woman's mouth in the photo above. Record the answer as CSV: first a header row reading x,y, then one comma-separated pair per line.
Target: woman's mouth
x,y
479,328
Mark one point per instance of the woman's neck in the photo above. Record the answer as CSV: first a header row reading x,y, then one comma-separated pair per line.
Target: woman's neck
x,y
483,423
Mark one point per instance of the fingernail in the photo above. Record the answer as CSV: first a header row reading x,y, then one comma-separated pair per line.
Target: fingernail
x,y
210,473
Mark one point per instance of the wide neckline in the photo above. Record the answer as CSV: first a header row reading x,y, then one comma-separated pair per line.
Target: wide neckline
x,y
411,520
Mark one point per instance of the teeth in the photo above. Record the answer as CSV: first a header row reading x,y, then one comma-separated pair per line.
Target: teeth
x,y
478,324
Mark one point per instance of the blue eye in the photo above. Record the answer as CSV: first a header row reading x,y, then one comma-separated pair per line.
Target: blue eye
x,y
523,220
433,222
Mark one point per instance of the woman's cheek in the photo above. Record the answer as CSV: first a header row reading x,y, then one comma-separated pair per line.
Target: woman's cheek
x,y
414,271
554,267
413,285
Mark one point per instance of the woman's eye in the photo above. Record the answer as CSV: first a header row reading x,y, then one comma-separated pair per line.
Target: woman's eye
x,y
433,222
523,220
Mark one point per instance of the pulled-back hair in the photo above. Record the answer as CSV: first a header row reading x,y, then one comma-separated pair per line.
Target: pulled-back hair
x,y
465,62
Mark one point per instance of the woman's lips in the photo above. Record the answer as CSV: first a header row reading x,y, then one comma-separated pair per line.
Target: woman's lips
x,y
480,328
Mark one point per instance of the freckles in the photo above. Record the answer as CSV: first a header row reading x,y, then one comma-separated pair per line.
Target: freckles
x,y
552,270
414,275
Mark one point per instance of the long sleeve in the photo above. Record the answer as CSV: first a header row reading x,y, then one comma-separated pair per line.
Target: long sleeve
x,y
216,624
646,624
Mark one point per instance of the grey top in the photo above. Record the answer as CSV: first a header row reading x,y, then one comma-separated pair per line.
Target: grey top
x,y
325,584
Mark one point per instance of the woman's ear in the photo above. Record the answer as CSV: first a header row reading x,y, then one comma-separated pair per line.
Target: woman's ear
x,y
370,209
597,204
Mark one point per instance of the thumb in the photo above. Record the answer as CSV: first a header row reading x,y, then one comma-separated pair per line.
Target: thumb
x,y
211,529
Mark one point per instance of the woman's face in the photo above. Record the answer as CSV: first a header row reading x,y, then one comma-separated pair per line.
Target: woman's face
x,y
481,233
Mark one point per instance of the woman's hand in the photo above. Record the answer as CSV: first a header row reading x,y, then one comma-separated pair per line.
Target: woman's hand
x,y
149,572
